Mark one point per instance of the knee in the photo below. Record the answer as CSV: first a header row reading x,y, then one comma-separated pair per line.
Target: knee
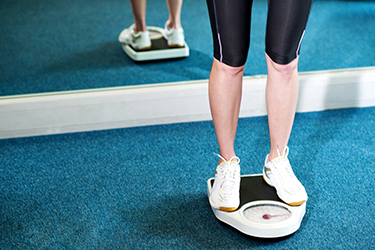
x,y
285,70
229,71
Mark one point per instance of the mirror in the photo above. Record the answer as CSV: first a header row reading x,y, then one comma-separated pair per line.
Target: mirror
x,y
49,46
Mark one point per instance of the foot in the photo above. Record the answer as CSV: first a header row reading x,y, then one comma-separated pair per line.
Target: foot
x,y
175,37
225,193
138,40
279,174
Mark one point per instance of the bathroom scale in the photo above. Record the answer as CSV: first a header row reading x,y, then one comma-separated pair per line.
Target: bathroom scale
x,y
261,213
159,48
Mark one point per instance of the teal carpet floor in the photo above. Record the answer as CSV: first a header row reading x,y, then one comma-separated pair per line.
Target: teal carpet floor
x,y
145,188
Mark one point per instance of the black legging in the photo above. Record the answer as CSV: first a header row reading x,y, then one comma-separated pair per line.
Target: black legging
x,y
230,24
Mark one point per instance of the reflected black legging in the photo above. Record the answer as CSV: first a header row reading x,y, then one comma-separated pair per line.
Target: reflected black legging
x,y
230,24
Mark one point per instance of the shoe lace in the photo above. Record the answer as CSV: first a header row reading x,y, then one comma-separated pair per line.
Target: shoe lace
x,y
229,173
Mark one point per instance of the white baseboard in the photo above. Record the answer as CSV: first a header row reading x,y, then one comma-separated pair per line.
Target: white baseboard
x,y
109,108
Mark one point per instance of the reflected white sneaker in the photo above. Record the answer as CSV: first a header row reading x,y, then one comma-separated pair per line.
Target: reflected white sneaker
x,y
279,174
175,37
138,40
225,194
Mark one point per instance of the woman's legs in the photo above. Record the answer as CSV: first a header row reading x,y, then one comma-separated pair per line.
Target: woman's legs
x,y
281,98
139,13
174,20
285,28
225,89
286,24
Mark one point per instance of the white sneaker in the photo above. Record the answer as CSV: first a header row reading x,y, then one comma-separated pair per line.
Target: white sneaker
x,y
175,37
279,174
138,40
225,194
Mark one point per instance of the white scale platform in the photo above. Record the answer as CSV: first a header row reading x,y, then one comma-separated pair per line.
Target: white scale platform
x,y
261,213
159,48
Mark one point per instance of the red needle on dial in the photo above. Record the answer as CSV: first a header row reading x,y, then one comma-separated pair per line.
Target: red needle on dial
x,y
268,216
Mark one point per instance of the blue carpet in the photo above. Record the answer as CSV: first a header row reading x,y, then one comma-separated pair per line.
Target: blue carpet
x,y
145,188
49,45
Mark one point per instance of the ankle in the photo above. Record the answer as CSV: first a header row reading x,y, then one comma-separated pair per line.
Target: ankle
x,y
277,151
272,156
234,160
228,158
173,25
139,27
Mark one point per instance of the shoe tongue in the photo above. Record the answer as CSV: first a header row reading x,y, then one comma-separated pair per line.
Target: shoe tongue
x,y
229,162
234,161
278,159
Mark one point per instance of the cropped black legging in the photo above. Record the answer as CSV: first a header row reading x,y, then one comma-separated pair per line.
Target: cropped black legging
x,y
231,21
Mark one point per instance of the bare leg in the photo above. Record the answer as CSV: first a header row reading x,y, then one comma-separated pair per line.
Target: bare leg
x,y
225,89
174,20
281,97
139,13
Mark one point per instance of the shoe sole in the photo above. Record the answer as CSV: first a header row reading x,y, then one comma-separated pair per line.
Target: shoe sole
x,y
297,203
228,209
144,48
224,209
175,46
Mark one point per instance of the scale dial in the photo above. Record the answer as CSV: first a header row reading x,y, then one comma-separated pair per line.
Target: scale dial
x,y
267,213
